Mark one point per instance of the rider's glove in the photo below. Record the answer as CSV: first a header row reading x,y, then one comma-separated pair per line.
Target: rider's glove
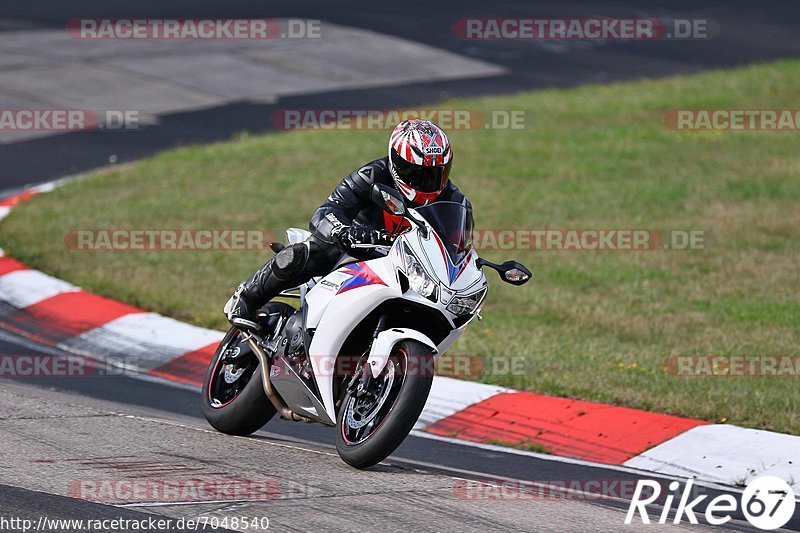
x,y
349,236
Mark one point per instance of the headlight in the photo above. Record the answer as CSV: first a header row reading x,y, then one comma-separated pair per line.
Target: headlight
x,y
465,305
418,280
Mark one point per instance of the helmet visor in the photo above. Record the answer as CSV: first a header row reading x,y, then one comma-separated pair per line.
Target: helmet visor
x,y
419,177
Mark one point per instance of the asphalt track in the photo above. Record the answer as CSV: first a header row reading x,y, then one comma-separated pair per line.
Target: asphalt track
x,y
748,32
58,430
64,419
27,505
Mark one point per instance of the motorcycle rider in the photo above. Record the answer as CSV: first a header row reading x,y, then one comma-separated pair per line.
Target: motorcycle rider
x,y
418,166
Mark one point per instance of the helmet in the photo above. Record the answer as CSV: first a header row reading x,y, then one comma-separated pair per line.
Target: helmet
x,y
420,157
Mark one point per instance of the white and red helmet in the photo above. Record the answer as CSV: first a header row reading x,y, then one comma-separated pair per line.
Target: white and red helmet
x,y
420,157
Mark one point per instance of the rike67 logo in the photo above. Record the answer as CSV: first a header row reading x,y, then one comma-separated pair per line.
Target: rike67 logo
x,y
767,503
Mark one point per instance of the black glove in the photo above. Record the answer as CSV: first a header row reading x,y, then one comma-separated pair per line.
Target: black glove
x,y
349,236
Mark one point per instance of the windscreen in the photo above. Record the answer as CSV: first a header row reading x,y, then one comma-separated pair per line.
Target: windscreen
x,y
453,223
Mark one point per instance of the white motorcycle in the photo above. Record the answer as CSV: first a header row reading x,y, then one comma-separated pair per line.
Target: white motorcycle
x,y
358,351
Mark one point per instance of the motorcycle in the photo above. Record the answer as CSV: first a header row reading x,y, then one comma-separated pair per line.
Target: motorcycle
x,y
357,352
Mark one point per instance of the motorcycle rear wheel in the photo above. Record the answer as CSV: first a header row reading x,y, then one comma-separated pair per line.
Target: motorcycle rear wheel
x,y
240,407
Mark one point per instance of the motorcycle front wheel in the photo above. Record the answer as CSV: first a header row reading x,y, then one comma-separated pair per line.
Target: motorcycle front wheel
x,y
377,416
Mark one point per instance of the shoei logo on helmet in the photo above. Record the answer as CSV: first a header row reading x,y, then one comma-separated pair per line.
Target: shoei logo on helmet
x,y
430,150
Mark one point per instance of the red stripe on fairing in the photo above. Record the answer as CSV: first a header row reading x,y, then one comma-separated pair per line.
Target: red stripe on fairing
x,y
188,368
462,269
441,247
74,313
361,276
447,263
570,428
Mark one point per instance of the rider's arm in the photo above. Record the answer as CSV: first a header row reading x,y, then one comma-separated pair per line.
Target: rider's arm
x,y
343,204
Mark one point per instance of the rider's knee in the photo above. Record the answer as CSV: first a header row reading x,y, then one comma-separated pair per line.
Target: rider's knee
x,y
290,262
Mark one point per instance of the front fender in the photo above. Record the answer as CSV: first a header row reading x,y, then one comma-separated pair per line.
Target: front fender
x,y
383,344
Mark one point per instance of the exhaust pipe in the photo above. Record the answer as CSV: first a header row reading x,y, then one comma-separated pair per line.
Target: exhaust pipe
x,y
273,396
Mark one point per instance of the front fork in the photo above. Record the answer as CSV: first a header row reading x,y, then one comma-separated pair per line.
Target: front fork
x,y
360,380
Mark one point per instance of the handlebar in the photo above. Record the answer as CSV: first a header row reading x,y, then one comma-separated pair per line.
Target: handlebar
x,y
370,246
384,235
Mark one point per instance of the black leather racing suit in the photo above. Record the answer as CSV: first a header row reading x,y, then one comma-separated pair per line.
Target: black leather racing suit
x,y
348,204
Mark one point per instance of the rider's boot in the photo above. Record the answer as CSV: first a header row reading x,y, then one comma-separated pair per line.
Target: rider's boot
x,y
281,272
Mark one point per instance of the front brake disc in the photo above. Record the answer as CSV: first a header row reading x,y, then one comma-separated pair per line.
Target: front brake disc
x,y
387,387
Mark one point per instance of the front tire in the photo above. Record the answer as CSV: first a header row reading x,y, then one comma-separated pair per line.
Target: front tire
x,y
367,434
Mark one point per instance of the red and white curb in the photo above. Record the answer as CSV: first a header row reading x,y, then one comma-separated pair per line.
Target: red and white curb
x,y
56,313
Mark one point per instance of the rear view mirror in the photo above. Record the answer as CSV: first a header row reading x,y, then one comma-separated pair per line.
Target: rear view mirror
x,y
510,271
388,199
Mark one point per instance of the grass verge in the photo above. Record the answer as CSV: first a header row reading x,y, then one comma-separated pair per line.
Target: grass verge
x,y
592,325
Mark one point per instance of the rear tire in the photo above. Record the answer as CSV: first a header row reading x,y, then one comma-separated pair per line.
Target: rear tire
x,y
248,411
244,411
402,414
